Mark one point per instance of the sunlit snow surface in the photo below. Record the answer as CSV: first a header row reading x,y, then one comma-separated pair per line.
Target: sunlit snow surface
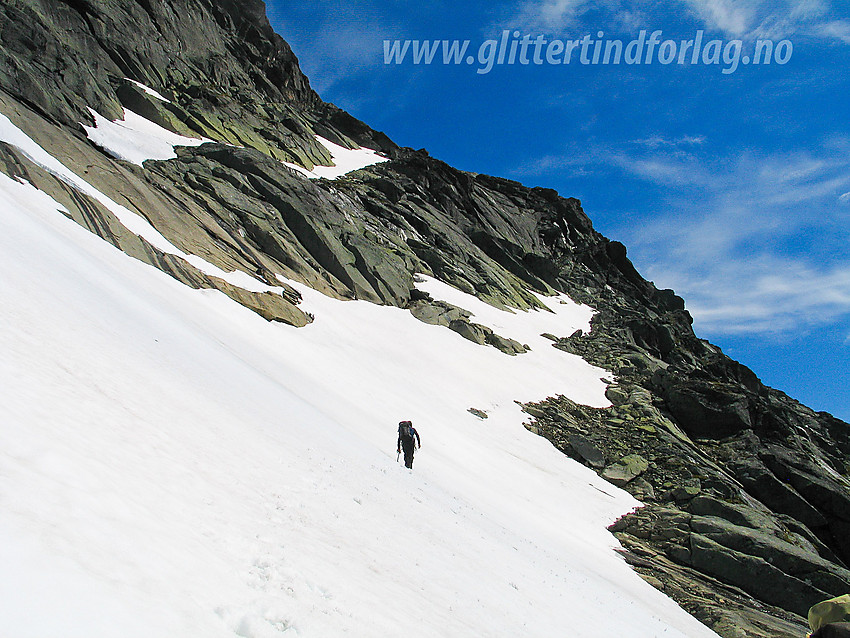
x,y
171,464
135,223
136,139
345,161
149,91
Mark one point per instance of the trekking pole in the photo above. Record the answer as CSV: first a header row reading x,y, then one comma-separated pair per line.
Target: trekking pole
x,y
397,455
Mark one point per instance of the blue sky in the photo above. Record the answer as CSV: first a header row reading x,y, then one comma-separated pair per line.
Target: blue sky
x,y
732,188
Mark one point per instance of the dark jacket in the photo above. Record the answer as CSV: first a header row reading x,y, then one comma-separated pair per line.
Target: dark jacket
x,y
409,441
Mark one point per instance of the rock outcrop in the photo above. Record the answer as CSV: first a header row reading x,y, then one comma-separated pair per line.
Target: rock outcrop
x,y
745,488
747,491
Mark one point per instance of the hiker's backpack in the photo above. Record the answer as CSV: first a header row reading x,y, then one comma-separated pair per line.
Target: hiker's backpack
x,y
405,431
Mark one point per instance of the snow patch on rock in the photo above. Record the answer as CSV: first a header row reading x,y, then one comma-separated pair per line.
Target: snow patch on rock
x,y
135,223
136,139
345,161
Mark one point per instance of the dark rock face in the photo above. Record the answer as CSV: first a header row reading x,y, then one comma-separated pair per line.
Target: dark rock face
x,y
229,76
748,493
713,412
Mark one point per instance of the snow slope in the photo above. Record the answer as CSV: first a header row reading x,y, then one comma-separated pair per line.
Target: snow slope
x,y
345,161
149,91
14,136
136,139
171,464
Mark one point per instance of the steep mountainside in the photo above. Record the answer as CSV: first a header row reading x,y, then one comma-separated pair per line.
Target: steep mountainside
x,y
747,491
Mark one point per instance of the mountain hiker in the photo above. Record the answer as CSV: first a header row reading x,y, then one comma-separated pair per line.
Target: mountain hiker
x,y
829,619
408,440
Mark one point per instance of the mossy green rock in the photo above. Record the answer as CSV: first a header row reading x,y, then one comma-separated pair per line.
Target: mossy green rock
x,y
626,469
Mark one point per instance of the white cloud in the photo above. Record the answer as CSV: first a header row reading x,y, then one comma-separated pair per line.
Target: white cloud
x,y
776,19
337,52
658,141
731,243
672,169
554,12
771,19
765,295
735,17
837,29
550,15
557,15
808,9
774,181
572,165
730,239
340,41
726,15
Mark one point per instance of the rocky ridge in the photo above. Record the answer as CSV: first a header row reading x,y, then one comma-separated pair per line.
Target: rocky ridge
x,y
747,491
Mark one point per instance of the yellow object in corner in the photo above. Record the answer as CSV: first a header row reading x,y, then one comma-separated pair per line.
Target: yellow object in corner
x,y
829,611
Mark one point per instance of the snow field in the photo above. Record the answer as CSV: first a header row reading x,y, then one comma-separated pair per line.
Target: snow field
x,y
134,222
345,161
150,91
136,139
171,464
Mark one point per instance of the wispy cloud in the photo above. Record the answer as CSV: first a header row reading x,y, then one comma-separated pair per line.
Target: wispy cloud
x,y
339,41
761,18
658,141
673,169
550,14
734,18
658,159
753,244
837,29
764,295
555,15
730,16
754,241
